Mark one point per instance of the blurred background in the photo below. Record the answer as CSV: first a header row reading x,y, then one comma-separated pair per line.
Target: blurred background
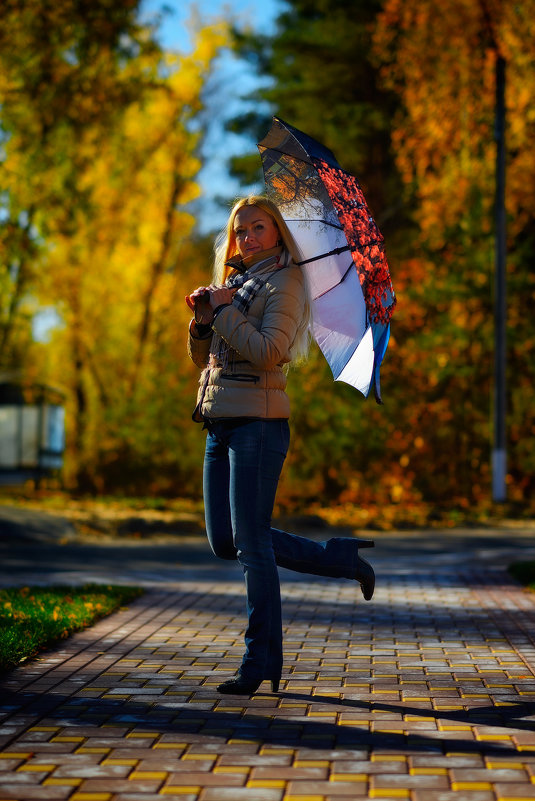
x,y
126,131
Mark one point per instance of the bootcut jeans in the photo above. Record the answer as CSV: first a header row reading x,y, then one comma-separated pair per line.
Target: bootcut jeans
x,y
242,464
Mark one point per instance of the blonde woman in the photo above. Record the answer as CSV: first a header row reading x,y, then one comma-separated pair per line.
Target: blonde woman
x,y
248,324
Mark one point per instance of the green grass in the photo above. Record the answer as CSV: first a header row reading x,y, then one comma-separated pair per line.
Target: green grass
x,y
524,572
33,618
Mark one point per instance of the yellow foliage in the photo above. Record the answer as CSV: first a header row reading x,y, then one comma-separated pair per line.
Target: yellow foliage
x,y
118,269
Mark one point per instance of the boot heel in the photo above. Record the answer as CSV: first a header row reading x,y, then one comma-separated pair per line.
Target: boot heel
x,y
275,685
366,578
365,543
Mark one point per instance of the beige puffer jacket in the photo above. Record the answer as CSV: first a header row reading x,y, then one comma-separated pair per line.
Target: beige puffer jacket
x,y
253,384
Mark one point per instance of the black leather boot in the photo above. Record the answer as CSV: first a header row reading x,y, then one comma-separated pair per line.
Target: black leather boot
x,y
241,686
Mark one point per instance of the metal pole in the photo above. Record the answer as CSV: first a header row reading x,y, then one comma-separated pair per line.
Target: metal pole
x,y
499,455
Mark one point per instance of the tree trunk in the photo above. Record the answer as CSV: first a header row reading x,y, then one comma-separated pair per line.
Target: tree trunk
x,y
156,272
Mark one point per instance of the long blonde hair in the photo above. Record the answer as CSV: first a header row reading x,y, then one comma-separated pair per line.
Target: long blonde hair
x,y
226,249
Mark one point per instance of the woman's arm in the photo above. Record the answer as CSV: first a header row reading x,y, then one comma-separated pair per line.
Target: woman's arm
x,y
200,328
198,346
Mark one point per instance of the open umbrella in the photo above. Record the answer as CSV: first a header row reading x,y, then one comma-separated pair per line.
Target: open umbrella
x,y
342,249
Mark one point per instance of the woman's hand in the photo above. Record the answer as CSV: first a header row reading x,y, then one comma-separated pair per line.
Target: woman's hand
x,y
219,296
199,303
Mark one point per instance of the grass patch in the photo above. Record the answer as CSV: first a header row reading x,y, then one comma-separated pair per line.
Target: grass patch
x,y
524,572
33,618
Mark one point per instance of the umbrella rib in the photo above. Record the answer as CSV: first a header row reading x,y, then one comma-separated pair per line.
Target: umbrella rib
x,y
315,220
342,279
334,252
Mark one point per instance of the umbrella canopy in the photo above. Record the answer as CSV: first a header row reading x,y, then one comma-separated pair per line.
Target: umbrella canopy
x,y
343,253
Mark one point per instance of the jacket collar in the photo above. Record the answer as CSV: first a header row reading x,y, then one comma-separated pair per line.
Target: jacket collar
x,y
242,265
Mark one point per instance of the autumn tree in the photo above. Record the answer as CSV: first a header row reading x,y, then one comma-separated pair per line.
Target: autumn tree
x,y
101,154
320,76
405,98
321,79
442,67
120,282
65,68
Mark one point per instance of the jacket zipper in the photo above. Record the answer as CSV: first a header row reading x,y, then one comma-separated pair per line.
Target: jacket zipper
x,y
253,379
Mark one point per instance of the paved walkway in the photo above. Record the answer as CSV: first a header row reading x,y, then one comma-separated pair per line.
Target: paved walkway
x,y
427,693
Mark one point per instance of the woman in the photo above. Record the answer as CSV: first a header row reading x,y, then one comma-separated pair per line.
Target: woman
x,y
250,323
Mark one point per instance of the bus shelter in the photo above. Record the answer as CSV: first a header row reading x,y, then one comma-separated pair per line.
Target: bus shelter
x,y
32,431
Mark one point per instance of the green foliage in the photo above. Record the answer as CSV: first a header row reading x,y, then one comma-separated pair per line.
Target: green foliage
x,y
321,79
33,618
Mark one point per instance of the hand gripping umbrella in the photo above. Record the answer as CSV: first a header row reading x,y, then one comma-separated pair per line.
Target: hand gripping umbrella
x,y
342,249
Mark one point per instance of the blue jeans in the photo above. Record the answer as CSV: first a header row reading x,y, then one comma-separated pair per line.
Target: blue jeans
x,y
242,465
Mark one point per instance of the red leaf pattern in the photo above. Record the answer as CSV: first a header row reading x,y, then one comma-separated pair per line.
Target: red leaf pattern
x,y
364,239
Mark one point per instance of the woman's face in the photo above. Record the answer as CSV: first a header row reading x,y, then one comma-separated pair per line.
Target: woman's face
x,y
255,230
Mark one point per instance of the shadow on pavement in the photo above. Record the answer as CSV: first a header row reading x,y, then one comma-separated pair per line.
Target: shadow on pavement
x,y
277,730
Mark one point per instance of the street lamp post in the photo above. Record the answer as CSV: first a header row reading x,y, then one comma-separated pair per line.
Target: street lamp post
x,y
499,453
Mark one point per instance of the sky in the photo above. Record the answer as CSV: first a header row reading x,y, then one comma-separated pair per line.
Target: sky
x,y
174,32
233,80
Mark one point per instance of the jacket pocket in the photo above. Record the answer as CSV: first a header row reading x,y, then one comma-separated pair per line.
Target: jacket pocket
x,y
246,377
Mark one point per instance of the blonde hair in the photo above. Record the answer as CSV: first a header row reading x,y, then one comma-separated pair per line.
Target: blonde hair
x,y
226,249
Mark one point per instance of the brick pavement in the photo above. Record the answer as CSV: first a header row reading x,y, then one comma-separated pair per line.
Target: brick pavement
x,y
427,693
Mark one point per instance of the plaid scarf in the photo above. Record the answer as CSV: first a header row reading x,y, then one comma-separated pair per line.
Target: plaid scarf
x,y
246,286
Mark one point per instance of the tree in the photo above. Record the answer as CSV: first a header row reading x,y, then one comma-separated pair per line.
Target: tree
x,y
321,77
120,280
405,98
98,178
66,68
443,70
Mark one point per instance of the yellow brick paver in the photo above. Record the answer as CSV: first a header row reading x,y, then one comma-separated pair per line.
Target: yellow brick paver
x,y
426,693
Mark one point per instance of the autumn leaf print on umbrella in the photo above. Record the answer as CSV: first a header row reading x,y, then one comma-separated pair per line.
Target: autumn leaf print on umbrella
x,y
343,253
